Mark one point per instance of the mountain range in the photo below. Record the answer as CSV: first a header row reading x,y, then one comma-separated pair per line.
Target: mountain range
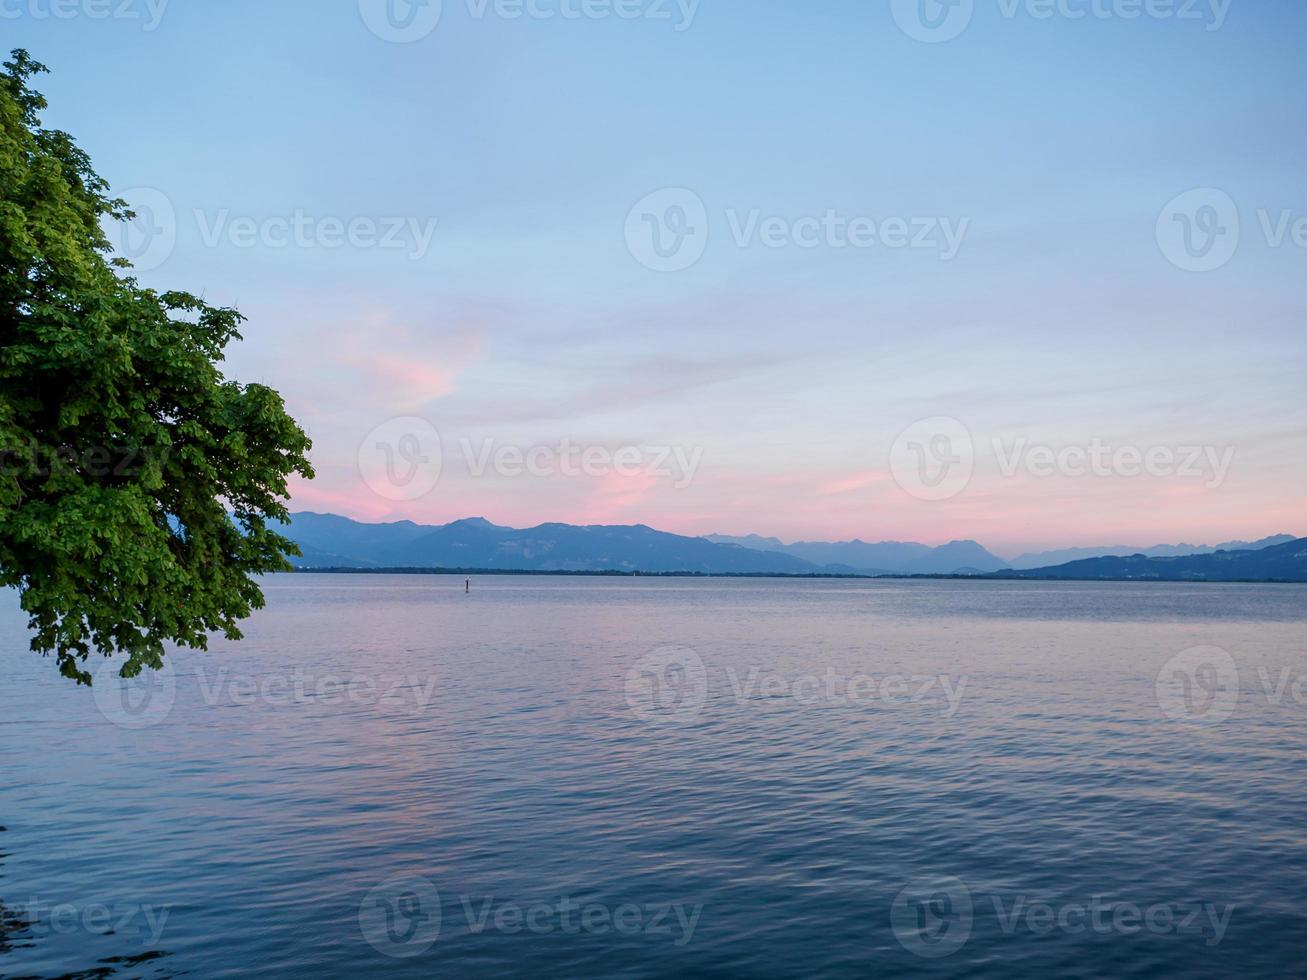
x,y
1043,559
330,541
1285,562
884,558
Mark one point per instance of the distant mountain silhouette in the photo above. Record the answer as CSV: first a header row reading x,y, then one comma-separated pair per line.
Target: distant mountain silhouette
x,y
1043,559
317,558
329,541
884,558
1277,563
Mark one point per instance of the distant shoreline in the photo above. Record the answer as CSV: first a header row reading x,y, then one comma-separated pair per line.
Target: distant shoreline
x,y
988,577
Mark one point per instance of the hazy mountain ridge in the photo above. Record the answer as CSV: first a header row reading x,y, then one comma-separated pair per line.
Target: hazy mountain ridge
x,y
1042,559
882,558
330,541
1278,563
911,558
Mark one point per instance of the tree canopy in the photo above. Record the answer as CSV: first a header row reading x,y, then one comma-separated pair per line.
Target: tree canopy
x,y
139,487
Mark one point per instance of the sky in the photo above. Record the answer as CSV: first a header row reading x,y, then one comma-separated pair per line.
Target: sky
x,y
1029,272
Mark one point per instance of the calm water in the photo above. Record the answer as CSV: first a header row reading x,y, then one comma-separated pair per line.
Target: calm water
x,y
581,777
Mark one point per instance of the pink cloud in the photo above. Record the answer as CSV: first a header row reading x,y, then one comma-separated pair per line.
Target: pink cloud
x,y
377,364
859,481
618,499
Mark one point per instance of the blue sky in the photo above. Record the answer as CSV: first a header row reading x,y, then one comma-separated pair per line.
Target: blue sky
x,y
1049,143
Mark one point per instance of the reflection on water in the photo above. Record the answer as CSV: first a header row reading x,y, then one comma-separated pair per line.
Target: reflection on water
x,y
574,777
13,927
24,928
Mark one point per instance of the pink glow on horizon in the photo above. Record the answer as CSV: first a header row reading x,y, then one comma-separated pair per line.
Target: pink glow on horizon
x,y
779,458
1007,518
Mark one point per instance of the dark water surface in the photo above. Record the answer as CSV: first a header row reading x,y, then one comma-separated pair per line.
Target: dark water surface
x,y
661,778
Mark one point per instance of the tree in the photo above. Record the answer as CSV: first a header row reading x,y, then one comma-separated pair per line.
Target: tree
x,y
138,485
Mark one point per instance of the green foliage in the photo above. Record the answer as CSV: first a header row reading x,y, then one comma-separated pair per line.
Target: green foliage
x,y
123,449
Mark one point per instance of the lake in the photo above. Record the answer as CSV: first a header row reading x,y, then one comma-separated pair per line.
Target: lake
x,y
643,777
